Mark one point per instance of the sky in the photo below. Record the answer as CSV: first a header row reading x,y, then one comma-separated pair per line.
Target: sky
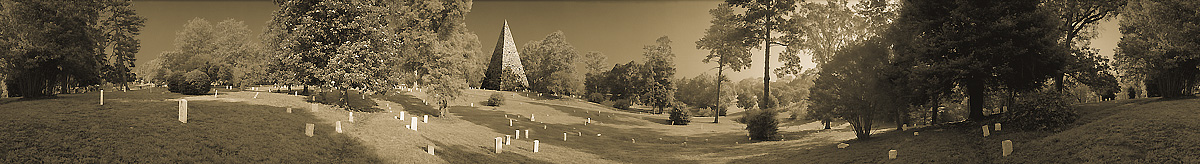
x,y
617,28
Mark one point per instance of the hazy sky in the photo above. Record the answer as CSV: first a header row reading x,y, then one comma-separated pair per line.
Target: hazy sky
x,y
619,29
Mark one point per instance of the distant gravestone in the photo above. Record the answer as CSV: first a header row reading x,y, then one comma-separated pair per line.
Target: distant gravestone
x,y
499,145
916,133
564,136
401,115
997,127
308,129
1007,147
633,140
183,110
507,139
518,134
339,126
531,117
256,94
843,145
536,144
289,110
101,97
526,133
430,149
589,121
986,131
351,116
892,154
426,120
414,124
510,122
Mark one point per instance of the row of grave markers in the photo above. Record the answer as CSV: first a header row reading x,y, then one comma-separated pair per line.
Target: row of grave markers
x,y
1006,147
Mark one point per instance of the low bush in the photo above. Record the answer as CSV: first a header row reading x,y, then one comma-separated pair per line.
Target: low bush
x,y
195,82
596,97
1043,110
496,99
680,115
761,123
175,81
623,104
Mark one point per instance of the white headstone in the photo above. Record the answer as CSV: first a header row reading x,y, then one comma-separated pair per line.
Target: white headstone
x,y
986,131
430,149
426,120
402,115
633,140
589,120
891,154
507,139
339,126
308,129
526,133
256,94
510,122
518,134
916,133
101,97
597,134
564,136
499,145
543,126
532,117
414,124
580,133
1007,147
215,92
536,144
997,127
183,110
289,110
351,116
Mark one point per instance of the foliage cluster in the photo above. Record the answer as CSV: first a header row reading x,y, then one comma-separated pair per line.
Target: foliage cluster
x,y
1041,110
496,99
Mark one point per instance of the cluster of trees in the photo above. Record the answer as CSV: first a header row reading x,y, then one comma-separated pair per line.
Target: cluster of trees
x,y
48,47
884,60
224,52
1159,47
651,83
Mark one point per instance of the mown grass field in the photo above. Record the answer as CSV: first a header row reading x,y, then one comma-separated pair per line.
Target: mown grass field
x,y
142,127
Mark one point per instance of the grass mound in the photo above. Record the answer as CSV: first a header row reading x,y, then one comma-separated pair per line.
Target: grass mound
x,y
140,127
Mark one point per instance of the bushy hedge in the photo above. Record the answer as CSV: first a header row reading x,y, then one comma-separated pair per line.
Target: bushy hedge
x,y
623,104
496,99
761,123
679,115
596,97
1044,110
195,82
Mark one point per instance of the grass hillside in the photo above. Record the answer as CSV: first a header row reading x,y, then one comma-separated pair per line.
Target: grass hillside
x,y
1124,131
142,127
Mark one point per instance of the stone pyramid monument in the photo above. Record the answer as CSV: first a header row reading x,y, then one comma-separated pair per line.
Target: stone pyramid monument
x,y
505,71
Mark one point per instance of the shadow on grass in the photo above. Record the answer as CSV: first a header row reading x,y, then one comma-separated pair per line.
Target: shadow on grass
x,y
410,103
459,154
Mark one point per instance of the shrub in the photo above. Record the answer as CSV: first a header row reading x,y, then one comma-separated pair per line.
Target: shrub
x,y
1131,92
679,115
596,97
195,82
1044,110
496,99
761,123
175,81
623,104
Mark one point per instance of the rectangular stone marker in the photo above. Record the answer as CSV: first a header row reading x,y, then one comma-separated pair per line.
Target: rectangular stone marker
x,y
633,140
916,133
532,117
308,129
507,139
402,115
589,120
426,120
536,144
430,149
518,135
101,97
499,145
1007,147
414,124
215,92
543,126
564,136
997,127
509,122
351,116
256,95
183,110
339,126
986,131
843,145
526,133
289,110
314,108
891,154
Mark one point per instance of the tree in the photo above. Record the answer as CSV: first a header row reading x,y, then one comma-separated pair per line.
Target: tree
x,y
222,51
121,27
626,81
724,40
855,87
761,18
52,46
548,64
981,45
659,70
435,44
1158,46
1079,18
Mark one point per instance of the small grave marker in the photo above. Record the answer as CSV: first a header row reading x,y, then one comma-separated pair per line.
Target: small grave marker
x,y
564,136
183,110
426,120
215,92
507,139
414,124
289,110
401,115
916,133
256,94
1007,147
339,126
499,145
986,132
101,97
518,134
843,145
510,122
531,117
526,133
308,129
997,127
430,149
633,140
536,144
351,116
892,154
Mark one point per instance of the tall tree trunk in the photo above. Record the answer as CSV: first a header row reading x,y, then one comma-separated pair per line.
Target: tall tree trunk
x,y
717,109
976,95
766,71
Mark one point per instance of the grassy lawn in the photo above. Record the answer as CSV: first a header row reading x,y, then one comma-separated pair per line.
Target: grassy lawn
x,y
140,127
1125,131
